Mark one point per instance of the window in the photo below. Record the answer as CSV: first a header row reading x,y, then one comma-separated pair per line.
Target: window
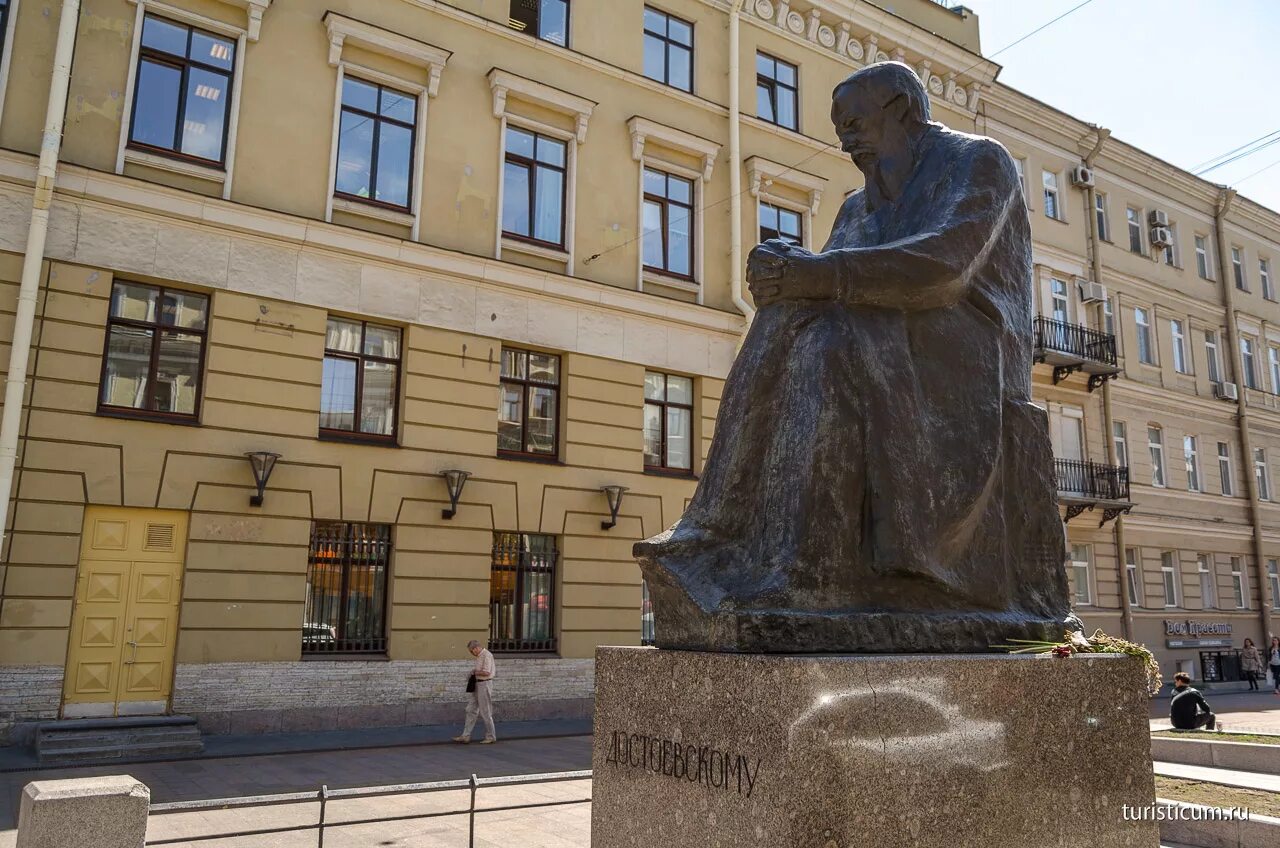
x,y
776,92
1179,347
1100,211
1224,468
1146,350
1261,475
1109,316
361,379
668,49
646,615
376,143
533,187
4,24
1020,165
1273,361
1202,257
154,351
1211,355
1134,217
1155,444
530,405
182,91
1264,274
1273,577
1061,301
1133,576
1246,360
1191,455
522,584
1238,585
668,224
777,222
1080,574
1208,582
1237,269
668,422
1051,209
1168,574
1120,434
544,19
1171,252
346,604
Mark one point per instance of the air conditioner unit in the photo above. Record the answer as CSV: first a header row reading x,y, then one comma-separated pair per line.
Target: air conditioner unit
x,y
1091,292
1158,218
1082,177
1161,237
1226,391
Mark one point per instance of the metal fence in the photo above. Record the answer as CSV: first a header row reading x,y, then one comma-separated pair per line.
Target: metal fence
x,y
324,795
1092,479
1075,340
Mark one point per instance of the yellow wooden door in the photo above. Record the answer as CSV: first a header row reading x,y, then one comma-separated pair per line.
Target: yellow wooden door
x,y
120,660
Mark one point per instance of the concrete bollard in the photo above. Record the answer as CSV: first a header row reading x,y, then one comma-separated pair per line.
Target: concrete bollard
x,y
89,812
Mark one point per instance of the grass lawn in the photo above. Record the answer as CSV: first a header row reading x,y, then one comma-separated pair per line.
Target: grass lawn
x,y
1214,795
1213,736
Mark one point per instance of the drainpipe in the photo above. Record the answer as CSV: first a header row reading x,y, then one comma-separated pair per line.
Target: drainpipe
x,y
735,171
29,290
1108,419
1226,197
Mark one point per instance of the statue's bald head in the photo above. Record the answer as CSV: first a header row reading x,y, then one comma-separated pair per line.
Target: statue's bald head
x,y
885,82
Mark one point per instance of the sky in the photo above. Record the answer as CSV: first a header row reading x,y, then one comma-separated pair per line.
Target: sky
x,y
1185,80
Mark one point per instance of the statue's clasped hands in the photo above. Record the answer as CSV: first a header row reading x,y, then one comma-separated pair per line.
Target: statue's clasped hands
x,y
779,270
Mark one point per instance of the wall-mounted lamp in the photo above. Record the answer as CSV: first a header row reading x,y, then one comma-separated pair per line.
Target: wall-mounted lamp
x,y
263,463
614,496
454,480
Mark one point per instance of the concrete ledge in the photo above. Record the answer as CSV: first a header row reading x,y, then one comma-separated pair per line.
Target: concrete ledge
x,y
1237,756
105,812
1181,826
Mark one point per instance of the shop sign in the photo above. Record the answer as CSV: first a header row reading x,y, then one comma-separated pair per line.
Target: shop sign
x,y
1196,629
1197,643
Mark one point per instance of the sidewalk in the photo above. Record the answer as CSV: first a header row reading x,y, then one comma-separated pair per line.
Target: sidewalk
x,y
1239,712
1224,777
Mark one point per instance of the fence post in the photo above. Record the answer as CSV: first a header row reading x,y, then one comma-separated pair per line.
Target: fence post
x,y
107,812
471,823
324,797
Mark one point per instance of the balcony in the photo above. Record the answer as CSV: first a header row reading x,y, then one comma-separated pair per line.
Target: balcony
x,y
1071,347
1086,485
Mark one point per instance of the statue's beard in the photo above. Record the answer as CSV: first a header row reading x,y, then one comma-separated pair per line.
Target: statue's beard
x,y
886,174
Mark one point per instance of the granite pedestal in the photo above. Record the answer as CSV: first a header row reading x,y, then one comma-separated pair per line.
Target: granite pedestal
x,y
970,751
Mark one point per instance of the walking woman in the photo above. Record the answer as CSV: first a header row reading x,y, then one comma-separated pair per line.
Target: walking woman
x,y
1273,658
1251,664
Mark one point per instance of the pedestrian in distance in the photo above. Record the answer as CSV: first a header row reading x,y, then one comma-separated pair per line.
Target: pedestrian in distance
x,y
480,690
1273,659
1185,708
1251,664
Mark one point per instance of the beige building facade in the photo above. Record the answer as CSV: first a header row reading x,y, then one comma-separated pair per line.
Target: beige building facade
x,y
465,278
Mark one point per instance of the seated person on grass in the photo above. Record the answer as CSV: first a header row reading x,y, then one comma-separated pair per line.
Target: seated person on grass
x,y
1185,708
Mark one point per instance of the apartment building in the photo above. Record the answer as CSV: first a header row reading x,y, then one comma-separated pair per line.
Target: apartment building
x,y
363,329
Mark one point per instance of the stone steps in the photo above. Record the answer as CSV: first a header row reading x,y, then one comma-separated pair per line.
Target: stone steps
x,y
110,740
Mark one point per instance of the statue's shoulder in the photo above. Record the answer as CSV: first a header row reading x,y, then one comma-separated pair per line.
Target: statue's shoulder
x,y
979,152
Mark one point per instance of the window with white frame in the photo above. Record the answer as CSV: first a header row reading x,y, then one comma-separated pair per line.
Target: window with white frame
x,y
1224,468
1191,456
1060,301
1052,208
1109,316
1273,577
1264,275
8,14
1211,356
1273,364
1208,582
1248,365
1202,257
1237,268
1146,347
1100,211
1178,334
1261,474
1133,576
1155,446
1169,577
1171,252
1080,558
1020,165
1239,583
1134,219
1120,435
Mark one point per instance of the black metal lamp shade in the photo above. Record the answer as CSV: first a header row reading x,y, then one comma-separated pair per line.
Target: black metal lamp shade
x,y
614,496
262,463
455,480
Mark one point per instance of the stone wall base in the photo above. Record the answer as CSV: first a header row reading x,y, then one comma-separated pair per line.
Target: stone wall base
x,y
28,694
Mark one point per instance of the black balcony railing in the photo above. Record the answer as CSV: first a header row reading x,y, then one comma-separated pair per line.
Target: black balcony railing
x,y
1075,340
1092,480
